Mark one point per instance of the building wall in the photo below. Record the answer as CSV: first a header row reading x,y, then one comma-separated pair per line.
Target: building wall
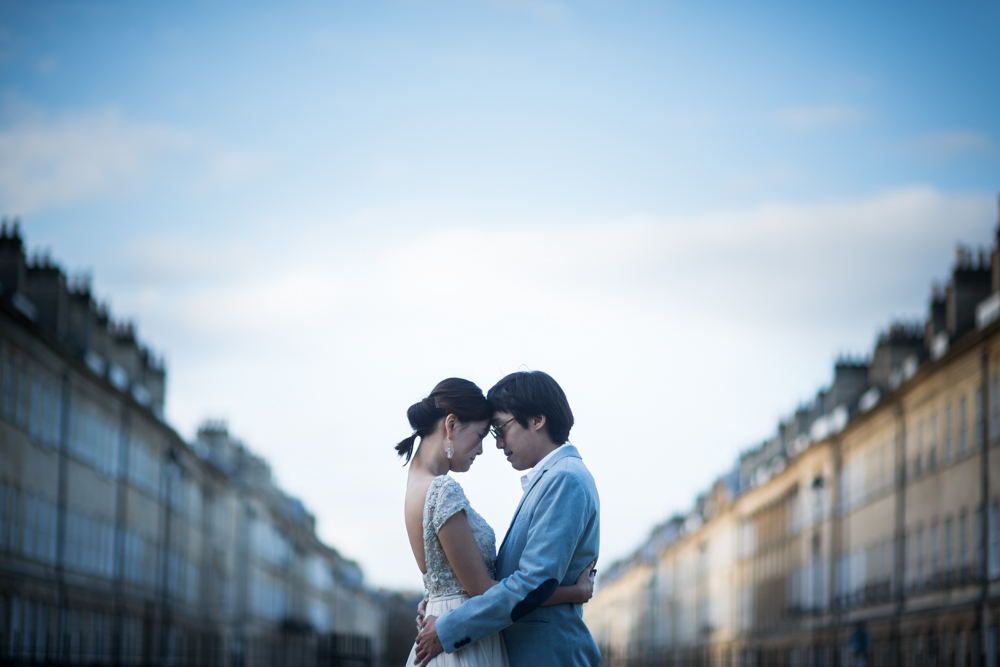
x,y
883,526
120,543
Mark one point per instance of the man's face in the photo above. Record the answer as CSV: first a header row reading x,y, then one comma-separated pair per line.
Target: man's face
x,y
518,443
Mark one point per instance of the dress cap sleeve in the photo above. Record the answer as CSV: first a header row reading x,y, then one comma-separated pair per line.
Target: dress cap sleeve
x,y
449,499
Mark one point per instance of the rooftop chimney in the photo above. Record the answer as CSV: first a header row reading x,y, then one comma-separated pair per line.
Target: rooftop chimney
x,y
971,282
892,349
13,265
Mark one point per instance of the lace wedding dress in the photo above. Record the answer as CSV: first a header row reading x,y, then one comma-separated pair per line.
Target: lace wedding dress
x,y
445,498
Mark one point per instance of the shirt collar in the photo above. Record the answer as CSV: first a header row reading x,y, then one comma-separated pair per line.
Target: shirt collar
x,y
530,475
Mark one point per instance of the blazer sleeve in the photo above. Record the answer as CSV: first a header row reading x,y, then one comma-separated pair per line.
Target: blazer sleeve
x,y
557,522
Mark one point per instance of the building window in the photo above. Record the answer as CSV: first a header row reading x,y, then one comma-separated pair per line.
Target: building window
x,y
35,427
979,418
144,469
908,567
29,525
994,409
918,549
963,427
994,535
932,453
949,432
963,539
934,549
949,547
14,512
21,411
918,460
9,386
3,517
882,480
977,530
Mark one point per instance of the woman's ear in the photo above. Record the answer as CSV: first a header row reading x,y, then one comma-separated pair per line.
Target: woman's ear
x,y
450,424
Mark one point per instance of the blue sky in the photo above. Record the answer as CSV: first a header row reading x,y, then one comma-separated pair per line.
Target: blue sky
x,y
682,211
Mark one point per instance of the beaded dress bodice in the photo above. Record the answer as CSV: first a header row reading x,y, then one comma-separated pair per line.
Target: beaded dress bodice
x,y
445,498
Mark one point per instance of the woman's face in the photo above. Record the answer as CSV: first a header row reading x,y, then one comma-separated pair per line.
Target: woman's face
x,y
467,441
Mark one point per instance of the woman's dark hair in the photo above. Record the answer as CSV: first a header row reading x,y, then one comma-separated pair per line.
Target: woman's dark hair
x,y
453,396
528,394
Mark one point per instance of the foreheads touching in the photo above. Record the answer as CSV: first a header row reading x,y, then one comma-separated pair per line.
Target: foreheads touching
x,y
459,399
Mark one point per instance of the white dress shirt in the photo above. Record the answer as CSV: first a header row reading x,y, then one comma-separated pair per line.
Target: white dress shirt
x,y
530,475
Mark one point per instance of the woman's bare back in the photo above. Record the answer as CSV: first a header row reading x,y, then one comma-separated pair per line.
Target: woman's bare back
x,y
417,483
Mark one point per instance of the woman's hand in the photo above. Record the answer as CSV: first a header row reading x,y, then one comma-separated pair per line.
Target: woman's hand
x,y
585,582
421,613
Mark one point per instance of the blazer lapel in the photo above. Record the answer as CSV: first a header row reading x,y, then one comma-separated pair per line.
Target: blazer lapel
x,y
561,453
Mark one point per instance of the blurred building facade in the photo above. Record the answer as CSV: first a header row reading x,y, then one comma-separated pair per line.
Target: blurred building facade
x,y
120,543
864,532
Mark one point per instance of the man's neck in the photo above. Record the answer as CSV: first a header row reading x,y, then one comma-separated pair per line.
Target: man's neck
x,y
548,450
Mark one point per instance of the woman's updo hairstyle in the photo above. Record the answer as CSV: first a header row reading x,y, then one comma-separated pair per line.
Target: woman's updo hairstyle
x,y
452,396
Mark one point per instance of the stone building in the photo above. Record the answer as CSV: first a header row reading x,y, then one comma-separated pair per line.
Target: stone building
x,y
865,531
120,543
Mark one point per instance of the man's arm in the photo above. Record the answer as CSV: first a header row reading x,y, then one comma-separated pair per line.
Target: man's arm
x,y
558,520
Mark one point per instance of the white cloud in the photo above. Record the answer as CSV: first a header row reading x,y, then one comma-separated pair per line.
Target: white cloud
x,y
948,144
678,341
228,167
818,117
49,160
760,180
548,11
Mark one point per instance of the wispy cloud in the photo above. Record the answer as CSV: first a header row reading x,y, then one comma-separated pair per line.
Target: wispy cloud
x,y
227,167
550,11
49,160
818,117
751,183
293,323
948,144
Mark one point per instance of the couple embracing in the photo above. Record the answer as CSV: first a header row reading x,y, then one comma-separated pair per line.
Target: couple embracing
x,y
522,606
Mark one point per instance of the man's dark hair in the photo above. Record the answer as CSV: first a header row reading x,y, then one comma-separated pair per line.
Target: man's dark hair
x,y
527,394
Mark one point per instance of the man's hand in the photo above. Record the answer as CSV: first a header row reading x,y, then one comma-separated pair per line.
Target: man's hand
x,y
428,644
421,612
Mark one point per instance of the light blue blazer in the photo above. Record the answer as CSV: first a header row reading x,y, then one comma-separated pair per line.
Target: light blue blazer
x,y
554,534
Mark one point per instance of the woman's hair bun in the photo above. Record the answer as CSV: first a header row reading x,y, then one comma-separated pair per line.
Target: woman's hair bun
x,y
456,396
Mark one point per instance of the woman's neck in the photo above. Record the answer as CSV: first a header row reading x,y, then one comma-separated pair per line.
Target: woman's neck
x,y
430,456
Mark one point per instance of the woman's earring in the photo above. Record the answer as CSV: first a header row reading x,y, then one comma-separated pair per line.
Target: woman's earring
x,y
448,450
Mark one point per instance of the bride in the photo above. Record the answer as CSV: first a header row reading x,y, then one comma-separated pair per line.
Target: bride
x,y
454,547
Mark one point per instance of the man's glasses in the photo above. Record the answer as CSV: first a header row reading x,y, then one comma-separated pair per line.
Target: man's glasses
x,y
497,429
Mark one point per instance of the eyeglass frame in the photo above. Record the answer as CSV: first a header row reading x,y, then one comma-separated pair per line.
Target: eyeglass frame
x,y
497,429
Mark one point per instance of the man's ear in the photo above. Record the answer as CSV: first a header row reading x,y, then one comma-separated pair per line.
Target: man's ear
x,y
537,422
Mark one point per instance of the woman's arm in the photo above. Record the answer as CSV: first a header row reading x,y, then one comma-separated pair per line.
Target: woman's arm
x,y
463,555
466,561
579,592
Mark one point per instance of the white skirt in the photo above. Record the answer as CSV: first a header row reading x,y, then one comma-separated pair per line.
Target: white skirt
x,y
487,652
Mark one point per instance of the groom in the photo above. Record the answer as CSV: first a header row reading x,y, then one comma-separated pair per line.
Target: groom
x,y
554,534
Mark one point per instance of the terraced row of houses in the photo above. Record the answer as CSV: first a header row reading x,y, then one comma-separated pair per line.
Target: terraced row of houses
x,y
863,532
122,543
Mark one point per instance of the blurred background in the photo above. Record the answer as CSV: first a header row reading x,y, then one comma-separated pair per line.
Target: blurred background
x,y
308,215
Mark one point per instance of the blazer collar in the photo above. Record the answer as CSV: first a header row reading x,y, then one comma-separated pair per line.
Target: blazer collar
x,y
562,452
